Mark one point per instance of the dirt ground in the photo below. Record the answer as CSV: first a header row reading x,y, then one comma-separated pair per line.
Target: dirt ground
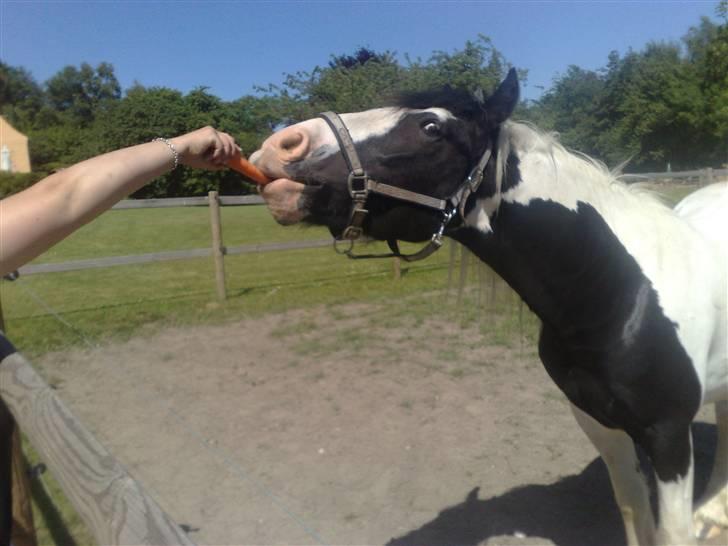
x,y
345,425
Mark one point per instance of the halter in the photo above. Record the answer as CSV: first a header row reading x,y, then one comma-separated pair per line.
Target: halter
x,y
361,185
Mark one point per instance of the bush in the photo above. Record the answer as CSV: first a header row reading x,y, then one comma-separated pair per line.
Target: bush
x,y
11,183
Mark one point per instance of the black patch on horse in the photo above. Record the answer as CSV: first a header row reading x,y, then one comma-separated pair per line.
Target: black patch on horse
x,y
574,273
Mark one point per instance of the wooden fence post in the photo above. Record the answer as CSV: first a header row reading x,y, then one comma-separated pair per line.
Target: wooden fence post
x,y
451,267
709,176
16,513
218,250
464,263
397,264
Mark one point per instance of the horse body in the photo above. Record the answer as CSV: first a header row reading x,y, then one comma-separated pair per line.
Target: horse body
x,y
631,294
628,334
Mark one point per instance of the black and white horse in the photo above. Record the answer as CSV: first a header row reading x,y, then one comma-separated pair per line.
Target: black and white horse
x,y
631,294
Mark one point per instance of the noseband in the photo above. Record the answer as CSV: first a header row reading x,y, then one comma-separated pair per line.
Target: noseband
x,y
361,185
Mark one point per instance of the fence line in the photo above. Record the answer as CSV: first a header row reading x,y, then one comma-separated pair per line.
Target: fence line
x,y
704,176
115,507
187,202
111,261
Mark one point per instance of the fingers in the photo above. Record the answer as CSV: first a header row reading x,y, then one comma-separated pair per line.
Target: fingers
x,y
208,148
223,148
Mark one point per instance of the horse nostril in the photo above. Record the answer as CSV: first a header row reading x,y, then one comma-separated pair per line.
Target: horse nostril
x,y
290,141
291,144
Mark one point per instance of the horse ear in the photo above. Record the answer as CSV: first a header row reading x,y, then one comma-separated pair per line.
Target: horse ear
x,y
502,102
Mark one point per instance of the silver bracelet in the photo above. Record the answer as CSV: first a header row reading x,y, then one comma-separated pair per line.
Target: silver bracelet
x,y
172,148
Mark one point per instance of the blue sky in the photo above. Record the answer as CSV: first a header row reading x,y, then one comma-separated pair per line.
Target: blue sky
x,y
231,46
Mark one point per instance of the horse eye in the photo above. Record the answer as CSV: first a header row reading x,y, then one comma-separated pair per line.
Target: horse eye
x,y
431,128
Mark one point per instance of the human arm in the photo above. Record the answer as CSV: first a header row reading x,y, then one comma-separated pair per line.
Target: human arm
x,y
37,218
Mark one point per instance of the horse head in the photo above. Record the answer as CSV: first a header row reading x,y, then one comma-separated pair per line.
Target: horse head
x,y
426,144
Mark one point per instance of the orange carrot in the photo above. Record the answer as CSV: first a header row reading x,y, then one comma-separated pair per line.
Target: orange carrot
x,y
246,168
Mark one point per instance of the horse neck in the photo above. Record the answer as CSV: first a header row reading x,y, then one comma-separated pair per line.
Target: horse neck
x,y
565,235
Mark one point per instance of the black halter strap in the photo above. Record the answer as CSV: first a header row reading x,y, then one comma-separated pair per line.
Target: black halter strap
x,y
361,185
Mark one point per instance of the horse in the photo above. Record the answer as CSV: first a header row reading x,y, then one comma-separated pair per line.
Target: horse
x,y
630,293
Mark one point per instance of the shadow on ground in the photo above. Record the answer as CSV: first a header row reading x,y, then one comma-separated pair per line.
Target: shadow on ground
x,y
574,511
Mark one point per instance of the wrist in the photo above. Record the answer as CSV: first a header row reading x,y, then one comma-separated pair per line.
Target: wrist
x,y
173,149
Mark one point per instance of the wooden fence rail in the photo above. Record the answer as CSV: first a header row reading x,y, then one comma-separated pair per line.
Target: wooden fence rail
x,y
188,202
703,176
114,506
111,261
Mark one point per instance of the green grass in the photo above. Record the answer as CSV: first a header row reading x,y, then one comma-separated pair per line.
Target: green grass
x,y
119,302
139,231
674,193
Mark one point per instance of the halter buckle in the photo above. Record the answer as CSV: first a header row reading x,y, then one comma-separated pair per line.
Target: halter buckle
x,y
357,182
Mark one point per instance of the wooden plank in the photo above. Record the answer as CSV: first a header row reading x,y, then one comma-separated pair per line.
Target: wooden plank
x,y
227,200
464,263
160,203
672,175
187,202
23,532
76,265
218,251
115,507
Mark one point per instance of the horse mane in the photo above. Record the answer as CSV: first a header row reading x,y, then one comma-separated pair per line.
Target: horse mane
x,y
601,181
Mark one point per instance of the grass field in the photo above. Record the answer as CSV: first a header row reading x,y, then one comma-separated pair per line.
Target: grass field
x,y
121,301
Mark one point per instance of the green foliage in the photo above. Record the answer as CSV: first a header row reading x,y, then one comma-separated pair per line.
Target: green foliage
x,y
479,65
11,183
20,96
82,93
666,104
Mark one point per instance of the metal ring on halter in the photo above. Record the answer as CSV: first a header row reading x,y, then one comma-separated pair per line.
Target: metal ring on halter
x,y
338,250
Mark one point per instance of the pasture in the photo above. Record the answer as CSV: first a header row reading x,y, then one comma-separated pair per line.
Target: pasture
x,y
269,419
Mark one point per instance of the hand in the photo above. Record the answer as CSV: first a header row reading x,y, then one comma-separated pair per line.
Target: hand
x,y
206,148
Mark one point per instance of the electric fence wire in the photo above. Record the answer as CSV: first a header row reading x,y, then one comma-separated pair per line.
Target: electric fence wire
x,y
184,424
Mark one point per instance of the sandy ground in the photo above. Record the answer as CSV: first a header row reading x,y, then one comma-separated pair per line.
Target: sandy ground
x,y
342,425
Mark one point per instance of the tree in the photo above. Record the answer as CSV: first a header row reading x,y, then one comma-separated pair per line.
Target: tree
x,y
83,92
714,84
21,98
479,65
570,108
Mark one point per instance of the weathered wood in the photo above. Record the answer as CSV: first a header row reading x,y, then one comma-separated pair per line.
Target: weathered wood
x,y
451,267
7,425
187,202
464,262
397,268
218,250
111,261
115,507
698,173
16,517
23,531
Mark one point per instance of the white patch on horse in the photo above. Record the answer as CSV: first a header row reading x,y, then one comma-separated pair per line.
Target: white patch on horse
x,y
672,498
362,126
380,121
